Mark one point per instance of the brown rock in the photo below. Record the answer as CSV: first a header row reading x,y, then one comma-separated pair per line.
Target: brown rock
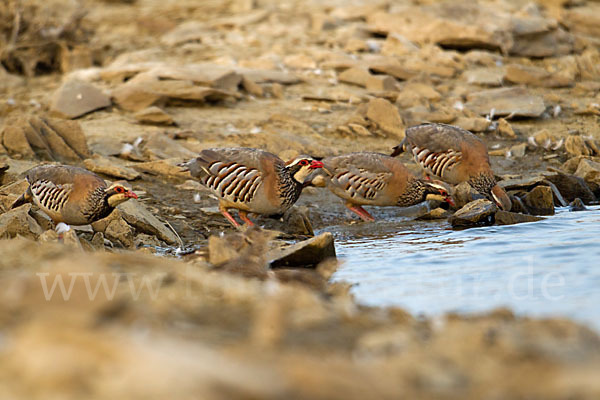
x,y
572,187
506,101
423,114
146,90
584,18
476,213
436,213
577,205
534,76
463,194
189,31
119,231
485,76
504,129
76,98
307,253
300,61
414,94
144,221
392,68
397,45
49,139
15,141
19,222
517,151
542,42
16,170
381,83
252,87
458,25
167,168
154,115
210,75
588,170
510,218
473,124
540,201
269,76
576,146
355,76
110,167
386,117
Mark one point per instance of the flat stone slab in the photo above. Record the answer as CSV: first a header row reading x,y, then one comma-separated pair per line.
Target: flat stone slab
x,y
76,98
515,101
476,213
307,253
511,218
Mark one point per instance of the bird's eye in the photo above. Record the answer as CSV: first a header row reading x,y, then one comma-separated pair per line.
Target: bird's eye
x,y
303,162
120,189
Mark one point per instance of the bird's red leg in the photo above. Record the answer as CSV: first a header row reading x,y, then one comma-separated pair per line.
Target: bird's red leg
x,y
229,217
244,217
361,212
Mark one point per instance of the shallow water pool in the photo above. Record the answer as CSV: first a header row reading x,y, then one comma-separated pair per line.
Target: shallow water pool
x,y
545,268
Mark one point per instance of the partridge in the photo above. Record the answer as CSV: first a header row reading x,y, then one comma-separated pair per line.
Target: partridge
x,y
251,180
378,180
454,155
72,195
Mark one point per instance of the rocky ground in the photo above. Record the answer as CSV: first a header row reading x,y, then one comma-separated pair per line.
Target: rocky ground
x,y
128,89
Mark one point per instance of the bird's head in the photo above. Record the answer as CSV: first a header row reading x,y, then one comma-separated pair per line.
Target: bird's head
x,y
302,166
500,197
437,190
118,193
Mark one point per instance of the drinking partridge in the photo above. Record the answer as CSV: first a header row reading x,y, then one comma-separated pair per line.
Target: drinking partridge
x,y
454,155
72,195
251,180
378,180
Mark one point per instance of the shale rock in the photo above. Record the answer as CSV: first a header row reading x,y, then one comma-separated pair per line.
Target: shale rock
x,y
577,205
476,213
534,76
589,170
540,201
572,187
76,98
110,167
385,116
45,138
464,193
307,253
19,222
510,218
144,221
155,116
506,101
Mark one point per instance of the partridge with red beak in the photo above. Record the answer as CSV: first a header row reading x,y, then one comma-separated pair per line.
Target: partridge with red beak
x,y
378,180
72,195
251,180
454,155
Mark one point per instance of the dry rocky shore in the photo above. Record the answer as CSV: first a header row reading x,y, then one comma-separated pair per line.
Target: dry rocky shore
x,y
161,305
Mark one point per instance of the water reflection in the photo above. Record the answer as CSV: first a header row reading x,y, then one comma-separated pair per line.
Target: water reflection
x,y
551,267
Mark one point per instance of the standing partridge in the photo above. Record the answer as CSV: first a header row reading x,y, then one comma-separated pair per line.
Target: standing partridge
x,y
72,195
378,180
251,180
454,155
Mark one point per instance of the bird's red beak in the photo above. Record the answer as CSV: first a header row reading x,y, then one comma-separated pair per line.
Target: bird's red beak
x,y
131,195
316,164
450,201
